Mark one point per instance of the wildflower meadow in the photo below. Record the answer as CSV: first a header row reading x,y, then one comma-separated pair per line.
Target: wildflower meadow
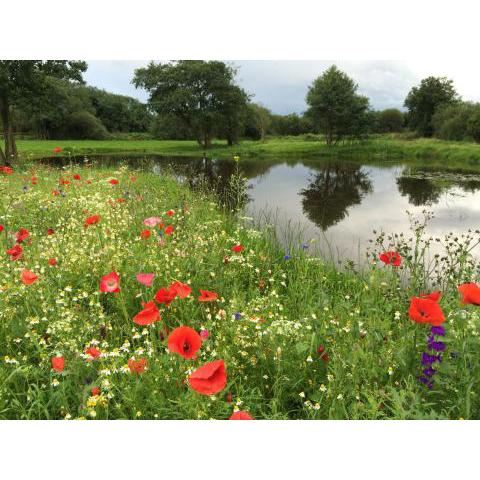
x,y
126,295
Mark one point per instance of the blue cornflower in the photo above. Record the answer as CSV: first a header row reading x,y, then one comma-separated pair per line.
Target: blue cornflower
x,y
305,246
237,315
287,257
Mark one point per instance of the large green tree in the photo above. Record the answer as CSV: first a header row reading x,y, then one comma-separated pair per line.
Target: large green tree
x,y
23,81
335,106
423,101
203,95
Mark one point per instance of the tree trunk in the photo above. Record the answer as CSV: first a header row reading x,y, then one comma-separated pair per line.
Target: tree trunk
x,y
8,135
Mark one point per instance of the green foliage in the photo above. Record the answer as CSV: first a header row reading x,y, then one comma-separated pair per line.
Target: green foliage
x,y
120,113
458,121
169,127
84,125
200,94
23,82
336,108
389,121
291,125
257,121
423,101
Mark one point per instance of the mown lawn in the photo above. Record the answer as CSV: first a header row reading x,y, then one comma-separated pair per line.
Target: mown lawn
x,y
298,339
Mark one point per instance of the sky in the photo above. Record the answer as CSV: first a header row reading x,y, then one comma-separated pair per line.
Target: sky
x,y
282,85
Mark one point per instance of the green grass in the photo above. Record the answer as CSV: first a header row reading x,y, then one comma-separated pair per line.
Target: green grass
x,y
380,148
289,308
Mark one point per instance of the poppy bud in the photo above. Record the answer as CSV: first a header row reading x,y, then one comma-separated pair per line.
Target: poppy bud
x,y
228,397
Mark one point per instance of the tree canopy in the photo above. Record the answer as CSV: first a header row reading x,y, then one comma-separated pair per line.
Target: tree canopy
x,y
423,101
335,106
203,95
24,81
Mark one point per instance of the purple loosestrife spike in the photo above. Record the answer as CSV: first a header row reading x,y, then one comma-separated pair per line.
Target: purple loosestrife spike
x,y
438,331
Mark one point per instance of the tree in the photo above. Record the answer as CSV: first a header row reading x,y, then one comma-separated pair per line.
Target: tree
x,y
335,106
119,113
201,94
390,120
257,121
457,121
22,81
423,101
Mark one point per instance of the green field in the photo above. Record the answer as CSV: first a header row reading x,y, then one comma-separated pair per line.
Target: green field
x,y
452,154
299,339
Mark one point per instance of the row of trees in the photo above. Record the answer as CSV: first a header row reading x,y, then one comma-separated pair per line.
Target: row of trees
x,y
193,99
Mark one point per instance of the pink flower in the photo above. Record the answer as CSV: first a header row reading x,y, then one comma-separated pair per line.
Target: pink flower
x,y
146,278
152,221
204,334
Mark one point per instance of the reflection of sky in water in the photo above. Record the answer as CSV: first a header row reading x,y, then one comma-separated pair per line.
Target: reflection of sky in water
x,y
383,208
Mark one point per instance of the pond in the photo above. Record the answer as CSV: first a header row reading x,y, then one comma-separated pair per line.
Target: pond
x,y
337,203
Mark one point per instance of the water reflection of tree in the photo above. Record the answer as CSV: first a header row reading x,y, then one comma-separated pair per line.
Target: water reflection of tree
x,y
332,190
426,185
419,191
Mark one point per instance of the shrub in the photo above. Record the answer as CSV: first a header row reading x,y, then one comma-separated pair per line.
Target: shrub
x,y
83,125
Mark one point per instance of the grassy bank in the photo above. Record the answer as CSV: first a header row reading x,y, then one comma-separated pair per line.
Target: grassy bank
x,y
381,147
298,339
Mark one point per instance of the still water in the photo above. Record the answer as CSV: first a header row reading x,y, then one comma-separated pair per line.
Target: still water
x,y
336,202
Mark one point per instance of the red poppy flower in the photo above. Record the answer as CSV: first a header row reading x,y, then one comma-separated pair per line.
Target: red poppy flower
x,y
64,181
113,181
170,213
55,193
209,379
93,220
166,296
110,283
95,391
470,293
58,364
15,252
241,416
237,248
181,289
148,315
77,177
425,310
137,366
185,341
22,235
146,278
120,200
28,277
93,352
145,234
52,262
168,230
57,150
206,296
435,296
391,258
34,180
50,231
6,170
2,228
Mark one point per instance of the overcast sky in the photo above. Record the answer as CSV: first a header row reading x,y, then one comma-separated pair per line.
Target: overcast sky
x,y
282,85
